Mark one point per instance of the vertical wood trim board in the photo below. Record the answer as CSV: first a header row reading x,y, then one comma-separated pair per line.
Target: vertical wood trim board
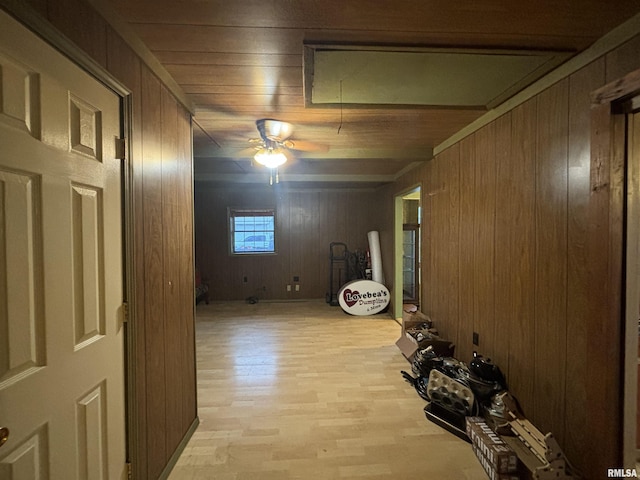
x,y
581,84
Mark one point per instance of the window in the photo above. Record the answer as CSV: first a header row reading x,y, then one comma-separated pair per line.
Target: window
x,y
252,231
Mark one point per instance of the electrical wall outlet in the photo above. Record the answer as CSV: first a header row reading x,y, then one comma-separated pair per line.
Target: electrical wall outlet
x,y
288,288
297,288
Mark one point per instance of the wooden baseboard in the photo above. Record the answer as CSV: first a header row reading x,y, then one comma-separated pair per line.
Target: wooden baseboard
x,y
181,446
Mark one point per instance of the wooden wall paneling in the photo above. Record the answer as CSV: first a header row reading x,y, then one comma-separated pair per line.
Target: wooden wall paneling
x,y
484,229
227,268
171,262
622,60
581,84
341,221
314,253
604,323
350,225
350,222
310,249
274,272
154,267
375,213
39,6
186,273
332,219
311,231
426,234
307,222
283,216
452,283
206,243
435,306
327,217
230,268
155,420
504,226
226,272
151,137
551,260
364,223
297,218
327,214
519,175
172,326
466,253
382,218
169,148
442,247
355,220
82,24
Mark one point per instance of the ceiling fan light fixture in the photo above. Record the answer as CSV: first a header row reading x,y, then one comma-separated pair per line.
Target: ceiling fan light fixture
x,y
270,158
274,130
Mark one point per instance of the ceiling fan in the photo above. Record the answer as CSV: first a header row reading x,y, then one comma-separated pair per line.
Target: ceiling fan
x,y
273,148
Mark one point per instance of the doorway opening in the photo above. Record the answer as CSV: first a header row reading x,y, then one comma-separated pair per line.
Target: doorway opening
x,y
631,414
408,215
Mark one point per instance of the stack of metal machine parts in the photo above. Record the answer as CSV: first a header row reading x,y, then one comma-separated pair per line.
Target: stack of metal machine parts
x,y
457,393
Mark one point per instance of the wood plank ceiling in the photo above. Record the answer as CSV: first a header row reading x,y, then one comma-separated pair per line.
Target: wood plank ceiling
x,y
242,60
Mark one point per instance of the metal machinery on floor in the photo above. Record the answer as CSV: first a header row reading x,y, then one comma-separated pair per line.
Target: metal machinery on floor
x,y
344,266
472,402
338,252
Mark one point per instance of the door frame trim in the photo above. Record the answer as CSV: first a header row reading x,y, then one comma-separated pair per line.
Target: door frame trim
x,y
613,279
397,251
31,19
632,304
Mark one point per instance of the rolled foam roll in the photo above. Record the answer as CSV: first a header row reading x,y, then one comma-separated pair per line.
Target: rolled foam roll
x,y
377,275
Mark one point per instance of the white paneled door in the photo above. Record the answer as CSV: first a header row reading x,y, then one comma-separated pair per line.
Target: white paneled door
x,y
61,331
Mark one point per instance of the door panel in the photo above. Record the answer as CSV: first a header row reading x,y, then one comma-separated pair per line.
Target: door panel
x,y
61,332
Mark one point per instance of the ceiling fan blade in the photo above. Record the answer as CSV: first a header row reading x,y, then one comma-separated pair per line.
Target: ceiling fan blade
x,y
306,146
248,152
291,158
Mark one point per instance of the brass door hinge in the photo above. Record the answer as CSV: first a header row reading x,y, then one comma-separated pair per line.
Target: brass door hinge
x,y
125,312
121,146
129,472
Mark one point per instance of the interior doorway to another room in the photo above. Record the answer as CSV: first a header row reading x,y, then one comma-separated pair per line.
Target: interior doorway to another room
x,y
631,418
408,215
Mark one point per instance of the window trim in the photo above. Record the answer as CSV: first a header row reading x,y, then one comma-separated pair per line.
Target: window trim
x,y
233,212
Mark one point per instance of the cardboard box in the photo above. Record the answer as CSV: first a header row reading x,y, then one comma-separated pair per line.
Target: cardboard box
x,y
413,319
495,451
490,470
409,345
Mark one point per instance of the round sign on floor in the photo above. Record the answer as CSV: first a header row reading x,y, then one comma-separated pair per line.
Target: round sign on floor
x,y
363,297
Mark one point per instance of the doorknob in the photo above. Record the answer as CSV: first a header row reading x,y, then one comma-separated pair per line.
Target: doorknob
x,y
4,435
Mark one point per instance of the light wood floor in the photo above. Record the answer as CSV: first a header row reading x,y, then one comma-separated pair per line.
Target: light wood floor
x,y
304,391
